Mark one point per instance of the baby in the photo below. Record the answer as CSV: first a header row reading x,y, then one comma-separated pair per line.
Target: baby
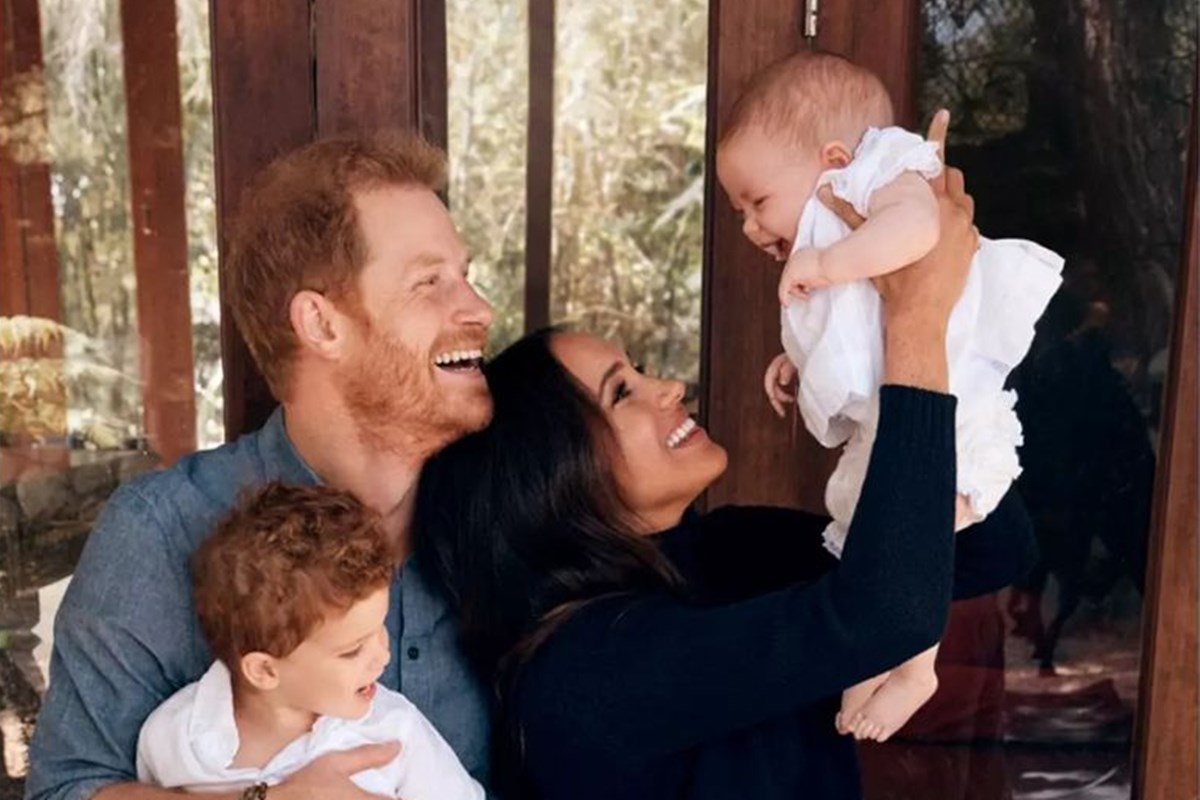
x,y
292,593
815,120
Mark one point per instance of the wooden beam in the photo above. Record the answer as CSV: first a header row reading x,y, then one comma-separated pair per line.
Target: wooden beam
x,y
884,37
1167,740
160,247
28,252
367,44
362,47
263,104
432,71
539,158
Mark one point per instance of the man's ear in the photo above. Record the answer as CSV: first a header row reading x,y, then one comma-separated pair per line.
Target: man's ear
x,y
835,155
260,670
317,323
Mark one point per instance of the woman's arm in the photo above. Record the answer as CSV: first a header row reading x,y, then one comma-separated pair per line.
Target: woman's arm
x,y
734,553
631,679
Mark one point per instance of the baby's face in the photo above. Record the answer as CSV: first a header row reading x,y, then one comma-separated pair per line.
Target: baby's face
x,y
333,672
768,182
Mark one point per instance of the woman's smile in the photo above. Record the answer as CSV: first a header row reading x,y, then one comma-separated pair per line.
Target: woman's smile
x,y
684,434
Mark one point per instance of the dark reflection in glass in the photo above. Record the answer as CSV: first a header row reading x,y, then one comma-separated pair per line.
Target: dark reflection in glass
x,y
1070,120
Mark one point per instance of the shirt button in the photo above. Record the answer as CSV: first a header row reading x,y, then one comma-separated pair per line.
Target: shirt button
x,y
414,653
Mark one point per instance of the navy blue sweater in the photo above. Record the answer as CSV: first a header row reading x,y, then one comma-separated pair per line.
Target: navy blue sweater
x,y
732,693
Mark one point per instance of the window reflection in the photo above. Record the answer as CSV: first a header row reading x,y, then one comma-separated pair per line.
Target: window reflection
x,y
1070,121
72,400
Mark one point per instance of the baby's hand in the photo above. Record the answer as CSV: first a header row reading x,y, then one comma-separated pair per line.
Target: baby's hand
x,y
777,382
801,274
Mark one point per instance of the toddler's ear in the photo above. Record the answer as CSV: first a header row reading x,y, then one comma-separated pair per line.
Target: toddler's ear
x,y
258,669
835,155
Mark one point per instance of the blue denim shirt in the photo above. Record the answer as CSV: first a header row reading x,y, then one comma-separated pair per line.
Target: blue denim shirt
x,y
126,637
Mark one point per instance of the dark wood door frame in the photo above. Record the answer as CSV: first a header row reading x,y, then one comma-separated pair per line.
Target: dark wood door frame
x,y
740,322
1167,742
286,73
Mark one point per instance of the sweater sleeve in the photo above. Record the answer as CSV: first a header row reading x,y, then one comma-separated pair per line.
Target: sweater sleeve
x,y
630,679
737,552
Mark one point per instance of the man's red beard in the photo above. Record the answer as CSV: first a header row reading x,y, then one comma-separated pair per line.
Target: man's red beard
x,y
397,405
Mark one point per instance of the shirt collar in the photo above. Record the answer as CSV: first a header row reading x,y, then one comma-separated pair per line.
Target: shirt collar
x,y
213,729
212,726
280,455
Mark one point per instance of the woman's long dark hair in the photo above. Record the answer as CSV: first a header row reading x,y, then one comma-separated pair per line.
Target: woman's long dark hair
x,y
523,522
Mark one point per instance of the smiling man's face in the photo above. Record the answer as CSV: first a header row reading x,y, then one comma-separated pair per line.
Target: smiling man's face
x,y
414,381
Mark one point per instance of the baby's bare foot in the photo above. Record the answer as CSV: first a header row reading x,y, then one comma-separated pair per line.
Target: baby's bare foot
x,y
855,698
892,705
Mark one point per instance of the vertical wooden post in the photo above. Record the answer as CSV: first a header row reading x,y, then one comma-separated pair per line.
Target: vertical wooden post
x,y
362,47
286,72
28,253
433,74
29,279
263,104
151,57
1167,742
740,324
539,159
884,37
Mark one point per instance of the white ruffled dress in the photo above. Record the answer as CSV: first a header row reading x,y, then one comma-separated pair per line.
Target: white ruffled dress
x,y
835,339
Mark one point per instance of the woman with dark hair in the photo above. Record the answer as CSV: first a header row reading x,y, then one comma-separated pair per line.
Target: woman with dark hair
x,y
641,650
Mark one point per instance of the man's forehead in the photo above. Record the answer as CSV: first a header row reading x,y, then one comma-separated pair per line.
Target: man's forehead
x,y
409,225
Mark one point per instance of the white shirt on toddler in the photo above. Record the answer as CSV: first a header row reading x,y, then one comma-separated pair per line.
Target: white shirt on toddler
x,y
835,338
190,741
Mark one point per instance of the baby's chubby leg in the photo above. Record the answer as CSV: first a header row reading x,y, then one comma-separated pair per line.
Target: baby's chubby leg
x,y
907,688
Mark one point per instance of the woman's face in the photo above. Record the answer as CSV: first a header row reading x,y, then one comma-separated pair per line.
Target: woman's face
x,y
665,460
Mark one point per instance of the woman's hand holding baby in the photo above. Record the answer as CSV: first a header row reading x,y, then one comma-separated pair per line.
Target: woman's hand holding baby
x,y
918,300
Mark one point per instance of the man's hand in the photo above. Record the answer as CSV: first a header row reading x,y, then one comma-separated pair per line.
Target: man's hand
x,y
801,274
778,382
328,777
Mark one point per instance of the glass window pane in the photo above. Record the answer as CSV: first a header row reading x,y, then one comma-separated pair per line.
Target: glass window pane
x,y
1070,121
629,118
488,108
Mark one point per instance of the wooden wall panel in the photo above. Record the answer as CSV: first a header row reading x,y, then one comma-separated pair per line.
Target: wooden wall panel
x,y
539,156
1167,760
287,72
151,59
28,252
365,57
433,75
885,37
740,330
263,106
